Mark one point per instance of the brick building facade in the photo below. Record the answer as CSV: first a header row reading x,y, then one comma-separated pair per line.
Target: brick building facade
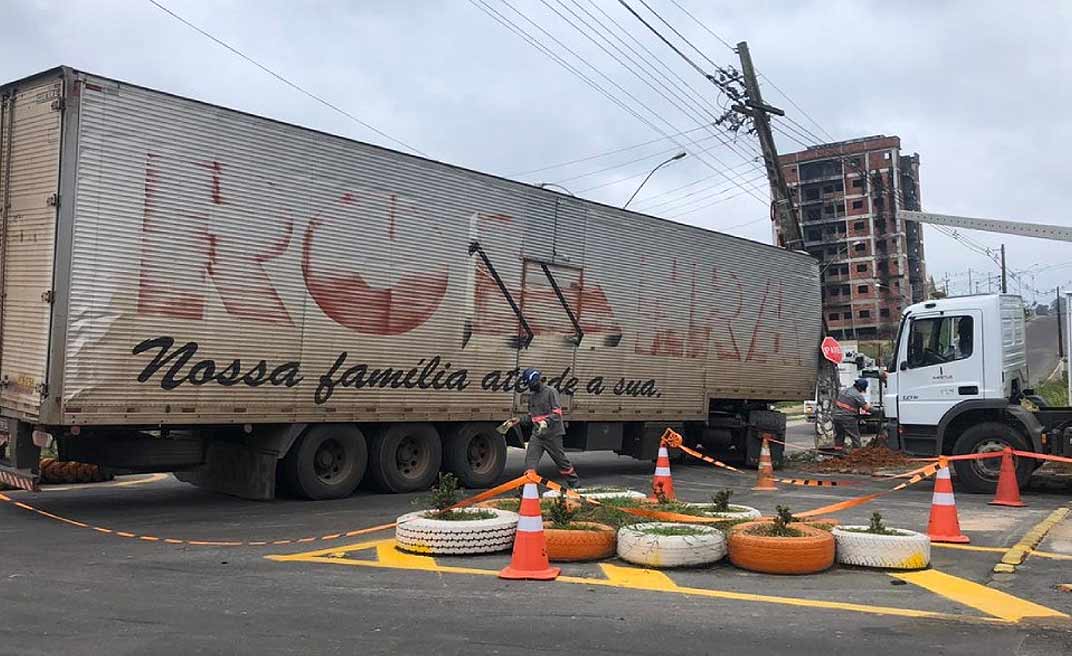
x,y
872,264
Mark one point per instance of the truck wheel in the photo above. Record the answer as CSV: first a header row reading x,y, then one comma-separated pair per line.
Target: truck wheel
x,y
476,454
981,476
405,457
327,462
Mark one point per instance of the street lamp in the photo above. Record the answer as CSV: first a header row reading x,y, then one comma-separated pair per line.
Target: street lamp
x,y
680,155
545,185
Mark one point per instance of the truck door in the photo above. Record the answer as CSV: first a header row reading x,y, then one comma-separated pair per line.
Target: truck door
x,y
550,300
940,365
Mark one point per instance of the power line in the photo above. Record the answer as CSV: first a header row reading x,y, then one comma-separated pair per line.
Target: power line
x,y
698,22
632,69
600,155
284,80
660,153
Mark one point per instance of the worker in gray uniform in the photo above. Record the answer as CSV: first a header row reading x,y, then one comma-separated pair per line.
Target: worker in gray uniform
x,y
846,414
545,420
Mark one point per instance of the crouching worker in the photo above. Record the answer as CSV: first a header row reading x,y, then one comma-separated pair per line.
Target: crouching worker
x,y
545,419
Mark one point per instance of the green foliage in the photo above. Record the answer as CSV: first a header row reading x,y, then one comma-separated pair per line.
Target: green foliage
x,y
779,527
462,515
721,500
676,529
876,523
1055,391
562,512
443,495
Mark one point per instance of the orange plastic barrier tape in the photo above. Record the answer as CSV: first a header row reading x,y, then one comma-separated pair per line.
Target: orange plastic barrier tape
x,y
483,496
807,482
1039,456
917,476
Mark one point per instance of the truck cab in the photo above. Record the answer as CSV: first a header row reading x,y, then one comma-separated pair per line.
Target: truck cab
x,y
958,383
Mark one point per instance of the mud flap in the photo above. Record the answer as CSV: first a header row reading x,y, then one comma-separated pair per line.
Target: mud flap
x,y
235,469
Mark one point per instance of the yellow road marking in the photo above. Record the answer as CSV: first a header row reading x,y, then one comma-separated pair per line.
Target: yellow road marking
x,y
1018,552
617,576
1001,550
988,600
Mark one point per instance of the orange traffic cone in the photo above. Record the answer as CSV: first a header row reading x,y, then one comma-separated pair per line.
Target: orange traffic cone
x,y
1008,492
529,560
944,525
662,485
765,480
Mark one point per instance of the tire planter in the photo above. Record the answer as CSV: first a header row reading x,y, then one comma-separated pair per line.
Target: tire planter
x,y
909,551
416,533
649,550
596,543
748,512
811,553
631,494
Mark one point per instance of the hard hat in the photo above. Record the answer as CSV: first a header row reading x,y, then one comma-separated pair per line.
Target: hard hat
x,y
860,384
530,376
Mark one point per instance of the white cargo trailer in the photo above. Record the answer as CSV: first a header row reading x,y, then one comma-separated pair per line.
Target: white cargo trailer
x,y
191,288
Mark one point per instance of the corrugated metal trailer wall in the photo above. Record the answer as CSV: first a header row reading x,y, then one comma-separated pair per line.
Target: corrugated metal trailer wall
x,y
228,268
30,141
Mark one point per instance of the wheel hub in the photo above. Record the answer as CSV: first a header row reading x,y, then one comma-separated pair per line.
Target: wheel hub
x,y
479,453
411,457
989,468
330,462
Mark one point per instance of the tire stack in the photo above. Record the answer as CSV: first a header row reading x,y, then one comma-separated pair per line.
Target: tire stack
x,y
57,471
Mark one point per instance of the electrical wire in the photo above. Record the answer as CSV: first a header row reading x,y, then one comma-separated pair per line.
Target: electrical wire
x,y
283,79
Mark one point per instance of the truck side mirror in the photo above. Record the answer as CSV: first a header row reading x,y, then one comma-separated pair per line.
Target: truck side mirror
x,y
904,366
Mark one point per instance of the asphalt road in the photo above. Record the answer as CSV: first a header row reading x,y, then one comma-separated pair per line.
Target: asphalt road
x,y
1041,347
73,590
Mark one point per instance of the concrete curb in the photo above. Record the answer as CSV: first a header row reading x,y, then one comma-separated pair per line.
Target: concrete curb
x,y
1018,552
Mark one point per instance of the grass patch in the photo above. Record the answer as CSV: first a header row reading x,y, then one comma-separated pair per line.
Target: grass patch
x,y
677,529
772,530
1055,392
463,515
605,489
885,531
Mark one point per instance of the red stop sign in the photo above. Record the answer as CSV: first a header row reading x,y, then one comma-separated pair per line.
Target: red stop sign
x,y
832,350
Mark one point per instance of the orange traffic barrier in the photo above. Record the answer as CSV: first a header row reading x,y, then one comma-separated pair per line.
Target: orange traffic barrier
x,y
765,480
944,526
662,485
1008,492
529,560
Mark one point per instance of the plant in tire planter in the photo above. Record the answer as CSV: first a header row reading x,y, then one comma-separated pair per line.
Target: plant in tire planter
x,y
878,546
781,546
601,492
569,539
721,508
665,544
441,530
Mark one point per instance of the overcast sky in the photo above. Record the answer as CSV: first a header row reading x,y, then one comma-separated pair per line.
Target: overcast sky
x,y
980,90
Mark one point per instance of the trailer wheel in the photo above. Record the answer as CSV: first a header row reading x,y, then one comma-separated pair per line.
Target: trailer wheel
x,y
981,476
327,462
476,454
405,457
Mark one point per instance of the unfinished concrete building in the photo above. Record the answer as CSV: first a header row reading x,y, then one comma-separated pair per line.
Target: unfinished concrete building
x,y
872,263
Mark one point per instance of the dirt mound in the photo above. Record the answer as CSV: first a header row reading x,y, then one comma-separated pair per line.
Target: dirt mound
x,y
866,460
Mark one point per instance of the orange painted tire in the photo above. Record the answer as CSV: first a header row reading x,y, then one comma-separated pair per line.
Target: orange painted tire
x,y
571,545
814,552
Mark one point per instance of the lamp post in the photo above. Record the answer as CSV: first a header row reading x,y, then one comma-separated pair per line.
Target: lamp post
x,y
680,155
545,185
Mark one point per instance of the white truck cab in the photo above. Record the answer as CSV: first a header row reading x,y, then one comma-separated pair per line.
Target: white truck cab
x,y
958,383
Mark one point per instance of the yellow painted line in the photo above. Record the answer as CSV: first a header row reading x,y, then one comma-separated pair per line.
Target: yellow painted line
x,y
1018,552
988,600
617,576
1001,550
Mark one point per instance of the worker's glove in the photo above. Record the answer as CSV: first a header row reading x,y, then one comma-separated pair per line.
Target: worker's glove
x,y
541,428
505,427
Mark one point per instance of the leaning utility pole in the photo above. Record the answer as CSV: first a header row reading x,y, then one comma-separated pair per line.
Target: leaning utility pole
x,y
785,213
1004,282
788,220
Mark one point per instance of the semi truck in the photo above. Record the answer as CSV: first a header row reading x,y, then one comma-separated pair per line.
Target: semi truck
x,y
251,304
958,383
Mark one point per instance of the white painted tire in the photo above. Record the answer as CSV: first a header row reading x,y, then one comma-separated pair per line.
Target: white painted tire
x,y
416,533
909,551
649,550
630,494
749,513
